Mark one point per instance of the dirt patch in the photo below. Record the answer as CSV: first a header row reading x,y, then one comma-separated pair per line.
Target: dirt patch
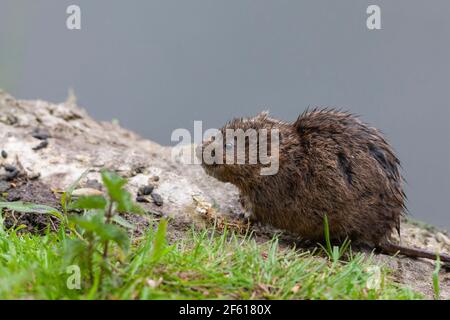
x,y
32,192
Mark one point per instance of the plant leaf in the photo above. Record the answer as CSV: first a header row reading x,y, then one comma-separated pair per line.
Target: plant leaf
x,y
30,208
116,234
114,184
74,248
124,223
66,197
89,202
436,286
159,244
96,225
327,234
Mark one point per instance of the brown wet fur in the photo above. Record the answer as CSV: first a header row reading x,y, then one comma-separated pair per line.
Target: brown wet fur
x,y
330,163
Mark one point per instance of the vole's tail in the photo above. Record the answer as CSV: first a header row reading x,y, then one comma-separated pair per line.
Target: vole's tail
x,y
391,248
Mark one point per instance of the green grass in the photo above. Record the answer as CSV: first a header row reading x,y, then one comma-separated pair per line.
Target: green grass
x,y
436,286
93,256
204,265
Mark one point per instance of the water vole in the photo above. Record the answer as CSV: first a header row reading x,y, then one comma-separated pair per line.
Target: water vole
x,y
329,162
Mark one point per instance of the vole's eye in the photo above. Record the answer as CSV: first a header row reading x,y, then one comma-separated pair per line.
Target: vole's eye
x,y
229,146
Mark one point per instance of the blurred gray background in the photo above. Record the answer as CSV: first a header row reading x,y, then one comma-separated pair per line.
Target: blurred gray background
x,y
160,65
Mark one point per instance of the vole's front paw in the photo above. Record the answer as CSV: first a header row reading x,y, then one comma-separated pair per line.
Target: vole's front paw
x,y
244,215
247,212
